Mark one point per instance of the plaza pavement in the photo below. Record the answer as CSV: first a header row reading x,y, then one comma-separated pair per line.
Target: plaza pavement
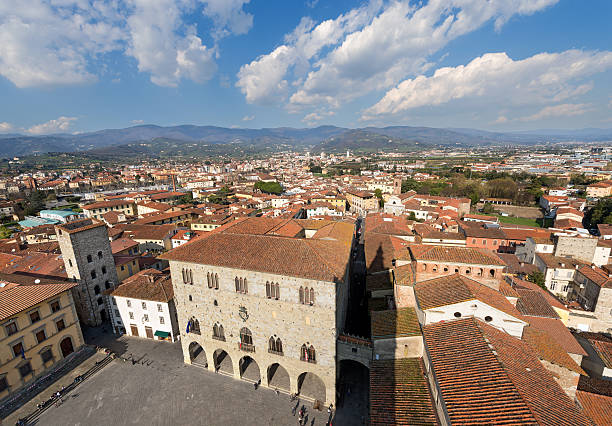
x,y
159,389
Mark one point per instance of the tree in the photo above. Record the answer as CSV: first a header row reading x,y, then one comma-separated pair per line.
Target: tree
x,y
537,277
269,187
378,194
599,213
410,185
5,232
315,169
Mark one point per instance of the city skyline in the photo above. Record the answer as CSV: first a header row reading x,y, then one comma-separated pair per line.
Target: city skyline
x,y
75,66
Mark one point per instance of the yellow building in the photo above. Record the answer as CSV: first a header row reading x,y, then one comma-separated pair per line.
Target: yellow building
x,y
338,201
599,189
38,328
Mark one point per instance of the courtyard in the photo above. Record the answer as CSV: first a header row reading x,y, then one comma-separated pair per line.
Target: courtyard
x,y
153,386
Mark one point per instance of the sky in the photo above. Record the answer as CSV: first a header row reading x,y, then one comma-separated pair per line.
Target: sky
x,y
70,66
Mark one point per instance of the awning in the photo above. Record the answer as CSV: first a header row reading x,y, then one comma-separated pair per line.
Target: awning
x,y
162,334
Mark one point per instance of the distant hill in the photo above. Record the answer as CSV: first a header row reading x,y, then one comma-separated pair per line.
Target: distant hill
x,y
319,138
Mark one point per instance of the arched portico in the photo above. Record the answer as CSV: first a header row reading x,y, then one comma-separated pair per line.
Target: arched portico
x,y
278,378
311,386
249,369
197,355
223,362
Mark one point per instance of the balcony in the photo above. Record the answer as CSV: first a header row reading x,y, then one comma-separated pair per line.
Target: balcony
x,y
246,347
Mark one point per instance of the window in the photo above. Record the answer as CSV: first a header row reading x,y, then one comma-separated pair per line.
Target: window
x,y
11,328
492,273
307,353
107,284
272,290
117,313
34,316
103,270
275,345
145,317
93,273
41,336
246,337
488,318
218,332
3,384
301,295
162,320
89,259
187,276
131,314
209,279
160,308
97,289
473,240
100,301
494,242
122,268
553,285
194,326
241,285
216,282
312,296
457,314
99,255
190,298
46,355
129,303
70,263
268,292
25,369
144,305
55,306
484,242
17,349
60,325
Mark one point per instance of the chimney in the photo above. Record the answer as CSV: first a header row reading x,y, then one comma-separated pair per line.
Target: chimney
x,y
151,278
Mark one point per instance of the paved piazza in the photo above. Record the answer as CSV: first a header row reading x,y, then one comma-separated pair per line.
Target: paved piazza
x,y
159,389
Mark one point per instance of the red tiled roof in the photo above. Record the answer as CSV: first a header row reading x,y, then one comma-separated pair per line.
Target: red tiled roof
x,y
597,407
456,288
399,393
533,303
20,293
604,351
549,350
395,323
558,331
149,284
471,256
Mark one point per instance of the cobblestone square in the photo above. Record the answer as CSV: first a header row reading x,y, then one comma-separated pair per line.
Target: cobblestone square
x,y
159,389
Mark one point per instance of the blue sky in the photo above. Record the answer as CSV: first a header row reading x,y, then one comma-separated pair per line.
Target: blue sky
x,y
83,65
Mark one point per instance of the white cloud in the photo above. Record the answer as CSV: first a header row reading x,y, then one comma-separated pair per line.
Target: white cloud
x,y
248,118
265,79
366,49
64,42
562,110
501,119
539,80
5,127
137,121
314,117
59,125
159,48
228,16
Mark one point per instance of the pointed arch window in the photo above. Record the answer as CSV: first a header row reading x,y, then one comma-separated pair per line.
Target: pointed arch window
x,y
216,281
241,285
218,332
209,280
275,345
193,326
308,353
302,295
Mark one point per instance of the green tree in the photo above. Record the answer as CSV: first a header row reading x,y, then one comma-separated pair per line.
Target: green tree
x,y
537,277
599,213
410,185
5,232
269,187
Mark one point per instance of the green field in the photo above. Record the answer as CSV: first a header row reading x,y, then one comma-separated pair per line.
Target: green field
x,y
519,221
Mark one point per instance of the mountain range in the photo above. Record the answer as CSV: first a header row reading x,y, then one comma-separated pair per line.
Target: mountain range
x,y
328,138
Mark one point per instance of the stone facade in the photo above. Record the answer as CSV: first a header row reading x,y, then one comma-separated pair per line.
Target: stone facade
x,y
294,323
577,247
88,259
489,275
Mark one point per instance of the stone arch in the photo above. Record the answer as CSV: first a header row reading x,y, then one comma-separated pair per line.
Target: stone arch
x,y
249,369
355,375
311,386
278,377
197,355
223,362
66,346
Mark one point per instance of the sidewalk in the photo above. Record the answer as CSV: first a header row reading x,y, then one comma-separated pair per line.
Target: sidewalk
x,y
66,380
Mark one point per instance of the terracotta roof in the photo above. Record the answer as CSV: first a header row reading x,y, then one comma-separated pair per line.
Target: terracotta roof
x,y
604,351
395,323
318,259
474,384
559,262
380,250
595,385
149,284
399,393
548,349
558,331
507,290
380,281
122,244
533,303
471,256
147,232
597,407
105,204
550,298
20,292
515,266
595,274
80,225
456,288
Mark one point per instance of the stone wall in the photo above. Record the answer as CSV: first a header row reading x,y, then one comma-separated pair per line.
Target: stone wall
x,y
576,247
489,275
295,324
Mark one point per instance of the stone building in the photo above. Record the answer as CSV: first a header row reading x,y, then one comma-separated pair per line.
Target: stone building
x,y
265,299
88,259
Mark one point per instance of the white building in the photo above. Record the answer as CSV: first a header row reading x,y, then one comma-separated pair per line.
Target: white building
x,y
143,305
